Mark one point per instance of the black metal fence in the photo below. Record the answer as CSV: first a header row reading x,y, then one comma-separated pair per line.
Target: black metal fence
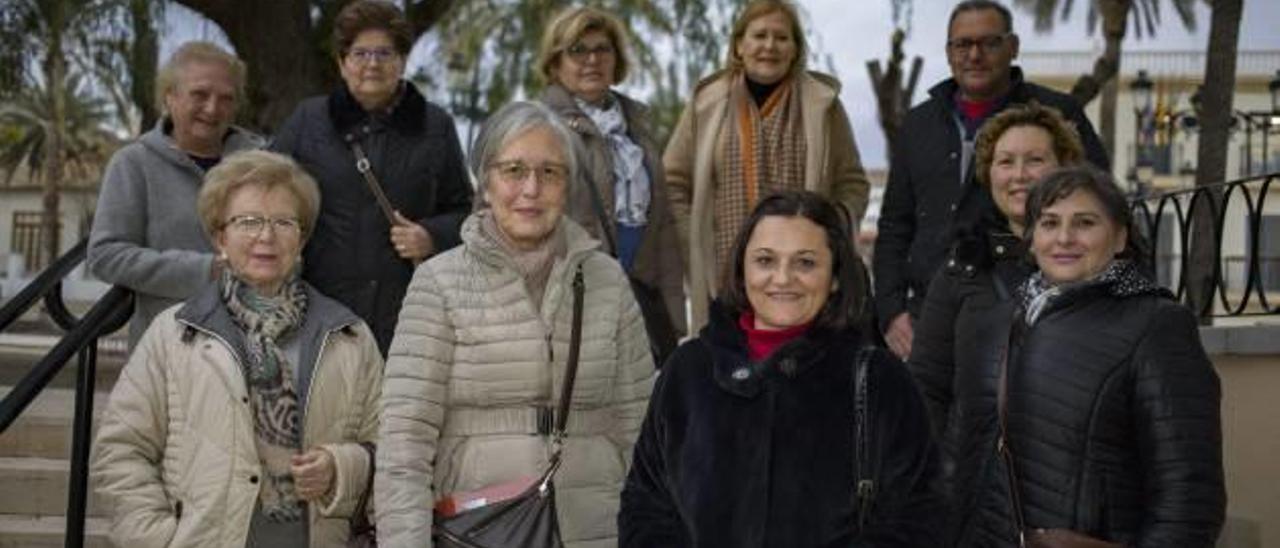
x,y
81,338
1240,258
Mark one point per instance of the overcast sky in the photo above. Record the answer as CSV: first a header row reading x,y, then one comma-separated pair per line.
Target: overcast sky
x,y
853,32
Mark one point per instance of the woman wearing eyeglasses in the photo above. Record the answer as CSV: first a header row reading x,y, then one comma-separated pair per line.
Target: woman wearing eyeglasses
x,y
483,343
584,54
760,125
238,419
363,255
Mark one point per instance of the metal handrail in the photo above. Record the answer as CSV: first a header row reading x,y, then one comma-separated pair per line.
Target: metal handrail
x,y
108,314
1182,207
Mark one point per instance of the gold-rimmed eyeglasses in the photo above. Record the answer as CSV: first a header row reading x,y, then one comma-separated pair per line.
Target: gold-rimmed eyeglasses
x,y
516,171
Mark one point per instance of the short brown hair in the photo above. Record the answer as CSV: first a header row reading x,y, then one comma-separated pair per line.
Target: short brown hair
x,y
846,306
571,25
262,169
761,8
1066,140
363,15
197,52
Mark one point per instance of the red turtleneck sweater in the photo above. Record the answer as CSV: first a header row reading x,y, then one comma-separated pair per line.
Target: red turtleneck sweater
x,y
762,342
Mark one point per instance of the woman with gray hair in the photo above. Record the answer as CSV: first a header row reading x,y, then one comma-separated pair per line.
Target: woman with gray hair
x,y
483,344
239,418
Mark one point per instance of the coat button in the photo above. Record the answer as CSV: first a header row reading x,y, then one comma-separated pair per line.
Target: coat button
x,y
951,263
953,155
741,374
253,479
244,399
1000,250
953,207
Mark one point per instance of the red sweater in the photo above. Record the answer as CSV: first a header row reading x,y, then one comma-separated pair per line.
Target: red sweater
x,y
762,342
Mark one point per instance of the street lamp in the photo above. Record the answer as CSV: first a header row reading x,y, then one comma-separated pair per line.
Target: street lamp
x,y
1141,89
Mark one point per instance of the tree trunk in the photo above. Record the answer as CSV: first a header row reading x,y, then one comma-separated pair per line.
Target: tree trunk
x,y
55,73
1216,95
289,56
1107,116
1115,19
142,62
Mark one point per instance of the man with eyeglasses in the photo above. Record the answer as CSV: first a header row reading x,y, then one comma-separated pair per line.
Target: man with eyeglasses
x,y
931,189
146,235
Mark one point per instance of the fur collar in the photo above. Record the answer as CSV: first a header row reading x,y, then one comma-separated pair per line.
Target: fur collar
x,y
409,114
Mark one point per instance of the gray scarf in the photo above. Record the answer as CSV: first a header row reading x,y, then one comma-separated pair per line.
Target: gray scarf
x,y
630,178
269,378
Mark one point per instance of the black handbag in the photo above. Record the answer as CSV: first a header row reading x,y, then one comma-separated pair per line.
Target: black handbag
x,y
658,324
529,519
362,533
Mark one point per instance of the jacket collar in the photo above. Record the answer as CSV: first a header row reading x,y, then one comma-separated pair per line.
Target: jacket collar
x,y
560,101
159,140
206,312
409,114
945,91
734,373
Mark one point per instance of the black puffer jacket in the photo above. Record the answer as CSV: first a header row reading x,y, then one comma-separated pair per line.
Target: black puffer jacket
x,y
751,455
414,154
1113,417
927,197
961,328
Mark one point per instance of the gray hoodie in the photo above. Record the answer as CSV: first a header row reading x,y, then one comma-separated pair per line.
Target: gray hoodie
x,y
146,234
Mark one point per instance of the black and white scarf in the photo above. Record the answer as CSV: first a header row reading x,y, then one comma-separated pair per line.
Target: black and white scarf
x,y
1121,278
269,378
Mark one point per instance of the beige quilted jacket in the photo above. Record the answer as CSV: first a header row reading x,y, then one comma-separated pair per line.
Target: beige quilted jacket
x,y
472,361
175,454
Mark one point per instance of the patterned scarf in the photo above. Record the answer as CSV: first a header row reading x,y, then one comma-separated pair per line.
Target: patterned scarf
x,y
764,153
630,178
1121,278
269,377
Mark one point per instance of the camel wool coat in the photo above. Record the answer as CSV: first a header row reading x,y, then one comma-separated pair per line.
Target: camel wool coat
x,y
695,151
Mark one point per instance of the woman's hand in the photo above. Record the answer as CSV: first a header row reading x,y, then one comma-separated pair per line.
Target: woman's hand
x,y
313,474
900,336
410,240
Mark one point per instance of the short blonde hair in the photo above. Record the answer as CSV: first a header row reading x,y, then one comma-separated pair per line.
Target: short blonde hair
x,y
197,52
261,169
1066,140
571,25
761,8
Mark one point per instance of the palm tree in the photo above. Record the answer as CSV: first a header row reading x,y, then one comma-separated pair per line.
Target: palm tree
x,y
1114,16
27,120
46,31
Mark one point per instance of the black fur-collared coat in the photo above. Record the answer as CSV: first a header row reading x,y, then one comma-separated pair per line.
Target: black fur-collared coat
x,y
747,455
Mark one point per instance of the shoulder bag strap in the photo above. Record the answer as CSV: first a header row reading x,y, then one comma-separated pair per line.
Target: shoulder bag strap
x,y
571,368
866,485
371,181
1002,442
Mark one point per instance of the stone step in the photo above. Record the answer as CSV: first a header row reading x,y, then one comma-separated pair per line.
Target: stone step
x,y
38,487
21,352
20,531
44,427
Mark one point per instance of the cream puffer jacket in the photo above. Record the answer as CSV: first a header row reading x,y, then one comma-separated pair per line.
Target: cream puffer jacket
x,y
175,454
471,363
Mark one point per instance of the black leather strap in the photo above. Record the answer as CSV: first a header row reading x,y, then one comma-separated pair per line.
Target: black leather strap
x,y
863,469
575,346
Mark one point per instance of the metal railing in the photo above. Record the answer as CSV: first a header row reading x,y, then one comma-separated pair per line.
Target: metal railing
x,y
1243,234
108,314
